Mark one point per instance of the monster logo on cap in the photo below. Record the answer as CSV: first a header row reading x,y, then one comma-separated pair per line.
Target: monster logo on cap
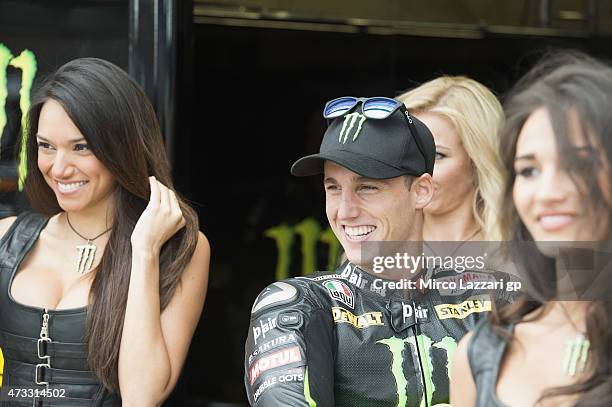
x,y
348,124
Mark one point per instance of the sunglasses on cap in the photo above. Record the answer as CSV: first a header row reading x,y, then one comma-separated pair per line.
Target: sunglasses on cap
x,y
378,107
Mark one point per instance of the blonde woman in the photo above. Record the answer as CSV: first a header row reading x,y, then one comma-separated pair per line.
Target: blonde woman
x,y
464,118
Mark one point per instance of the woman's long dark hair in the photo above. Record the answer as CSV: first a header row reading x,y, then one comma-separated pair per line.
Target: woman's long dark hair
x,y
564,83
118,122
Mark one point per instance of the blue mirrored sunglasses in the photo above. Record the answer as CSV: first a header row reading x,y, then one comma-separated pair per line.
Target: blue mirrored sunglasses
x,y
374,108
378,107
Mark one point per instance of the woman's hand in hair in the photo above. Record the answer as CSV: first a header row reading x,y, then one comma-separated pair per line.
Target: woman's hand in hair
x,y
160,220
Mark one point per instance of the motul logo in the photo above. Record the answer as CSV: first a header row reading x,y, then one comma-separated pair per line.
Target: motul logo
x,y
276,359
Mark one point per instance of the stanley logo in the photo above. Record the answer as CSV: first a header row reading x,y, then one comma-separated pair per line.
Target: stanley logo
x,y
358,321
353,122
479,303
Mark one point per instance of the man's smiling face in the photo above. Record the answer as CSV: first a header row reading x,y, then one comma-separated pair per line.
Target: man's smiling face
x,y
361,209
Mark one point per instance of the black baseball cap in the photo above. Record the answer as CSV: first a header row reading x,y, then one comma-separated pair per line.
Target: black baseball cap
x,y
374,148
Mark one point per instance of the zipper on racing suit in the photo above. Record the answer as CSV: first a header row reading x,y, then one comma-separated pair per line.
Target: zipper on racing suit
x,y
421,367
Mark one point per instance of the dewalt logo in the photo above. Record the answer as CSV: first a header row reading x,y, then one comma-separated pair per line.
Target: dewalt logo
x,y
353,122
342,315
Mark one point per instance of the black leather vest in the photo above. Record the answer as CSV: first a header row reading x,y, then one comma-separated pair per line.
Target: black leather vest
x,y
43,348
485,351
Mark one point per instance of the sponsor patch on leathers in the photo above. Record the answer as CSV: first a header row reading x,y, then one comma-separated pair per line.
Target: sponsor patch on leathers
x,y
275,294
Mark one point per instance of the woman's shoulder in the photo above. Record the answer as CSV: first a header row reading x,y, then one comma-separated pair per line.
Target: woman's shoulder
x,y
25,221
200,258
203,244
202,250
5,225
462,387
461,353
195,274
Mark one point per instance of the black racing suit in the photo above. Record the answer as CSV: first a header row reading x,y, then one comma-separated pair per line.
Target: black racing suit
x,y
345,340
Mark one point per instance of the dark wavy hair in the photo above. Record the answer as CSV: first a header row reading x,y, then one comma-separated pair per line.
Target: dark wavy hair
x,y
119,123
564,82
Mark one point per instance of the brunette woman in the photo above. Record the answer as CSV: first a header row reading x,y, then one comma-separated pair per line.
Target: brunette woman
x,y
553,347
102,287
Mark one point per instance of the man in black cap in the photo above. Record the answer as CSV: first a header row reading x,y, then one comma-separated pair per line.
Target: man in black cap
x,y
351,338
377,173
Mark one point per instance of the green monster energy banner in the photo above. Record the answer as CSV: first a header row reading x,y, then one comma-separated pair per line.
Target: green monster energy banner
x,y
310,233
26,62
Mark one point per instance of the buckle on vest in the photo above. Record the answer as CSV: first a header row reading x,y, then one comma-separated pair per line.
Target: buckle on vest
x,y
41,382
39,346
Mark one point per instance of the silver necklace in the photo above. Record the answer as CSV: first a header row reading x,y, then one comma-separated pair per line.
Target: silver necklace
x,y
87,251
576,355
576,350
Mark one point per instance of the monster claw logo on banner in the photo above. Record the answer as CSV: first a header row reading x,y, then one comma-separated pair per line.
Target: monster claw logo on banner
x,y
310,233
27,63
350,120
340,292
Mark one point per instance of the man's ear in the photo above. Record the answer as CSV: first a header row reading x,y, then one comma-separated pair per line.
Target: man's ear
x,y
424,191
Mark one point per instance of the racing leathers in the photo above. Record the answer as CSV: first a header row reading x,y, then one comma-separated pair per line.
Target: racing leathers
x,y
351,339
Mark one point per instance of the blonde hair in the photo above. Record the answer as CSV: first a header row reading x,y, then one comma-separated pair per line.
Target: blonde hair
x,y
477,115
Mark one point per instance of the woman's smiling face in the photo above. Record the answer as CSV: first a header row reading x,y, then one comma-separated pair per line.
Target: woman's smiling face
x,y
549,202
78,179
